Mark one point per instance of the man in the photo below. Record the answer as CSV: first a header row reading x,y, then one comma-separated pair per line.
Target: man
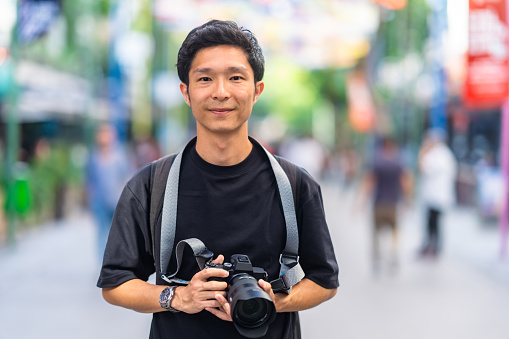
x,y
227,198
438,167
108,170
387,183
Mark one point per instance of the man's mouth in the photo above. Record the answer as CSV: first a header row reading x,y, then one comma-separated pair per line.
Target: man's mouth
x,y
220,111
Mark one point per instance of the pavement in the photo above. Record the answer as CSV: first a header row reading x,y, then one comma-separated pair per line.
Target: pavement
x,y
47,282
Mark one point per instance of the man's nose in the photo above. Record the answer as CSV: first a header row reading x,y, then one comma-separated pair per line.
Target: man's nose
x,y
221,90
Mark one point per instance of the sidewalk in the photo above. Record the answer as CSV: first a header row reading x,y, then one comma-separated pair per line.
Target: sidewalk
x,y
464,294
47,288
47,285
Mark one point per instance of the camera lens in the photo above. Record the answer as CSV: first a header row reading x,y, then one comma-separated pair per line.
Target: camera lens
x,y
252,308
251,312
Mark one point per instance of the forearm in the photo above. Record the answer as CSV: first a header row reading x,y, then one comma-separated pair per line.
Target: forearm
x,y
136,295
304,295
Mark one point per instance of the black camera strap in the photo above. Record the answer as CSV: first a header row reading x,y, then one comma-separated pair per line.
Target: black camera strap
x,y
290,273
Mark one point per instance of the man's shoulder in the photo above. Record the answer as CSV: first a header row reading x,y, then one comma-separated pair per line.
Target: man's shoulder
x,y
139,183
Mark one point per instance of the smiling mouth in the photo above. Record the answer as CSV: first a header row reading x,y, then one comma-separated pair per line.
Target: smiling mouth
x,y
220,111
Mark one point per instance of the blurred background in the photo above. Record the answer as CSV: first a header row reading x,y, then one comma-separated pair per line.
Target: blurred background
x,y
87,80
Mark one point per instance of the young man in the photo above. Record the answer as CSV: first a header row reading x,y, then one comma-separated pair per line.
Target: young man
x,y
227,198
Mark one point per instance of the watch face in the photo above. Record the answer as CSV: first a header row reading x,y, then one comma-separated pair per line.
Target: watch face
x,y
163,298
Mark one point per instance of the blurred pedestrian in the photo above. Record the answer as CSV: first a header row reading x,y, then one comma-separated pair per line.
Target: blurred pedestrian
x,y
227,197
108,169
387,183
438,169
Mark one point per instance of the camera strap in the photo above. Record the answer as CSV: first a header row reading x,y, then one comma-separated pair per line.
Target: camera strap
x,y
290,273
200,252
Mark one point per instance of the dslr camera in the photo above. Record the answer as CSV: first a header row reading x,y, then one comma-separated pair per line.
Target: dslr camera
x,y
252,309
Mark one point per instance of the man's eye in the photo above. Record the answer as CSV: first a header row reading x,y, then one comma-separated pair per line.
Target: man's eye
x,y
204,79
237,77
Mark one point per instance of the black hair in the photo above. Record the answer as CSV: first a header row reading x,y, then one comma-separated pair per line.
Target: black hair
x,y
216,33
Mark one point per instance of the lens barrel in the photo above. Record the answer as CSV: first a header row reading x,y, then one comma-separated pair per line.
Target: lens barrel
x,y
252,308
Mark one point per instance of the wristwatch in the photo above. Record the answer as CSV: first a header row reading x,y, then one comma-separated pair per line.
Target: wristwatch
x,y
166,297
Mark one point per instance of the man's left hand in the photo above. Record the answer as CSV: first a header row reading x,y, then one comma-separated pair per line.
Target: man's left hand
x,y
222,312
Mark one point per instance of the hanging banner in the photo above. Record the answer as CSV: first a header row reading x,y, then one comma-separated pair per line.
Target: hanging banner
x,y
35,18
392,4
361,110
487,81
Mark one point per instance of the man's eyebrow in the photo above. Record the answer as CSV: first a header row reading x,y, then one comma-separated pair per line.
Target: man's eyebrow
x,y
239,69
202,70
232,69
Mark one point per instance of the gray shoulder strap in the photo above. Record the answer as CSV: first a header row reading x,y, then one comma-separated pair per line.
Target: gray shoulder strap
x,y
169,217
291,272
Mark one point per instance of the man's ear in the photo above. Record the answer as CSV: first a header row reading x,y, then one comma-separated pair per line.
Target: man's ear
x,y
185,93
259,86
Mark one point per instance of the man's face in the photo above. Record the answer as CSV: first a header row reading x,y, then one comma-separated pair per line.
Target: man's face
x,y
221,90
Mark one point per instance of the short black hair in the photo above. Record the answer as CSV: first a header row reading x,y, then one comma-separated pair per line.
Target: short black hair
x,y
216,33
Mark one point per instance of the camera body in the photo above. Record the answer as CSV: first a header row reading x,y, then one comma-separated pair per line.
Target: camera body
x,y
252,309
239,263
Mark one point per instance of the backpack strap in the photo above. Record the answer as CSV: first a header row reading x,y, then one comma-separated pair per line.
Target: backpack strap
x,y
169,215
158,175
290,272
294,174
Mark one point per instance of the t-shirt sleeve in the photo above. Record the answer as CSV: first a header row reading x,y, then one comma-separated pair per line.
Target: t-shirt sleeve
x,y
316,250
128,253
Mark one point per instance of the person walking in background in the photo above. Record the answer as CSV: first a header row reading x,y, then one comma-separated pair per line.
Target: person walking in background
x,y
387,183
437,168
107,172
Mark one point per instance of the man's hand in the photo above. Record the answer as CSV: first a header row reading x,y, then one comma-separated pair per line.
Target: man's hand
x,y
202,294
223,311
306,294
276,298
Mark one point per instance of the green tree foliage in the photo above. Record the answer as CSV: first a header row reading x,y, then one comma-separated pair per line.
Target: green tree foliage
x,y
405,30
291,93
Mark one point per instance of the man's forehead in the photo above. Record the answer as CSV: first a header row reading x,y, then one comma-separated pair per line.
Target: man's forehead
x,y
222,57
231,69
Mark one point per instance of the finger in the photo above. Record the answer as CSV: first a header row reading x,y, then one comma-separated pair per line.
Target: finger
x,y
215,286
267,287
212,272
211,295
225,305
219,313
219,259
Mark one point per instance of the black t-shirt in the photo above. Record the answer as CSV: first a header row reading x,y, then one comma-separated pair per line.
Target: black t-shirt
x,y
387,171
233,210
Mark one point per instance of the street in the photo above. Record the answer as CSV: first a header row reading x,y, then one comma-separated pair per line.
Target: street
x,y
47,285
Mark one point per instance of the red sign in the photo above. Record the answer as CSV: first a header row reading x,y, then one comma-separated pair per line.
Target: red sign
x,y
487,81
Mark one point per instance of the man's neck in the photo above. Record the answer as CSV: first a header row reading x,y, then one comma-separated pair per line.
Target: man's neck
x,y
223,150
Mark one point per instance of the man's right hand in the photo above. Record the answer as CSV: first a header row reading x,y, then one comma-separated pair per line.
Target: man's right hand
x,y
200,293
